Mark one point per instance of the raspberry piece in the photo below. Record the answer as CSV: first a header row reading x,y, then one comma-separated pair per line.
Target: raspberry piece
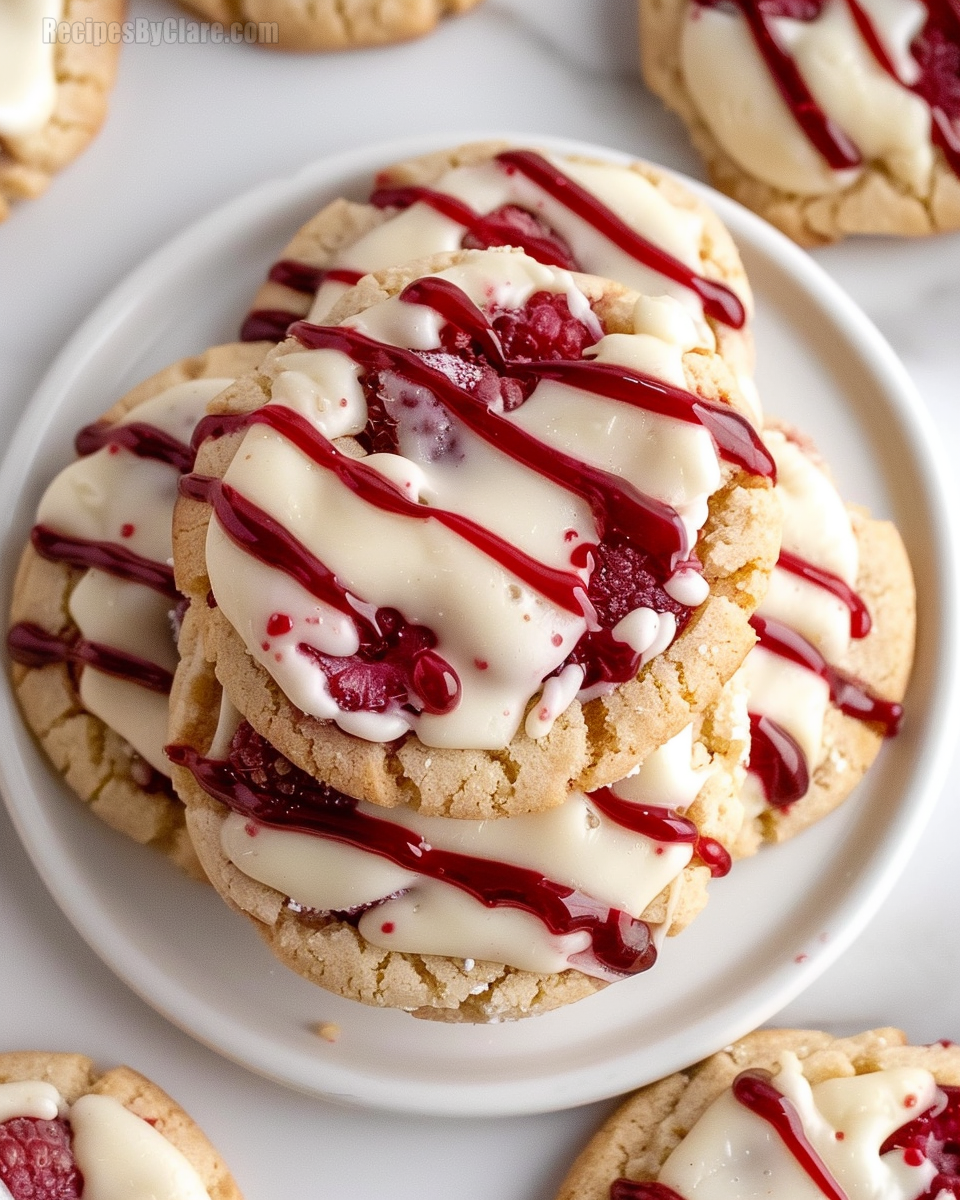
x,y
939,61
936,1135
36,1160
514,226
623,580
544,329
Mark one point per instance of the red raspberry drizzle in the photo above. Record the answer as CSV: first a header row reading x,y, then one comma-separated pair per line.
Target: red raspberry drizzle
x,y
936,50
36,1160
257,782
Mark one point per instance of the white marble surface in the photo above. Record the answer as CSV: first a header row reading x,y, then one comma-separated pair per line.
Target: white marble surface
x,y
192,126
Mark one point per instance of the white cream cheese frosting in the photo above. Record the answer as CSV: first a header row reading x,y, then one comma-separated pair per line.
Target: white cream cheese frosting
x,y
28,81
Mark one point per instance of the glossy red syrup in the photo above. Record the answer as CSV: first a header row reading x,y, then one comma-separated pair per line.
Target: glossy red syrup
x,y
935,1135
860,622
146,441
637,1189
755,1091
661,825
36,1160
250,783
850,695
936,50
777,760
271,324
32,646
110,557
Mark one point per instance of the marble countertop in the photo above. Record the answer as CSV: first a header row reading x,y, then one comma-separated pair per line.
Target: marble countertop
x,y
192,126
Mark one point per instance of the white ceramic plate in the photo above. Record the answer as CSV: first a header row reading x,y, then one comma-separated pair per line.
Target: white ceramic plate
x,y
771,927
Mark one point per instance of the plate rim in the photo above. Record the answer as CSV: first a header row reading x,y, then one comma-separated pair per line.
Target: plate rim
x,y
860,900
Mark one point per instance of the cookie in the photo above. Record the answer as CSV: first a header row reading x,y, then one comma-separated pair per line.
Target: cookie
x,y
865,140
335,24
53,92
785,1113
630,222
91,638
449,919
835,646
112,1133
467,706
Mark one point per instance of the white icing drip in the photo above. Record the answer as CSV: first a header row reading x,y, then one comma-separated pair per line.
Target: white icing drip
x,y
420,231
28,82
789,694
688,587
121,1155
30,1098
667,778
733,1154
666,632
501,638
558,692
121,498
737,98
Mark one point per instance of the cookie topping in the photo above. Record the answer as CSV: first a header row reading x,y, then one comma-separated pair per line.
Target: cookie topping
x,y
36,1160
455,445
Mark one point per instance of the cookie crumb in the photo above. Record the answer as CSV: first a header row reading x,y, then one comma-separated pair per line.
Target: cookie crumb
x,y
327,1030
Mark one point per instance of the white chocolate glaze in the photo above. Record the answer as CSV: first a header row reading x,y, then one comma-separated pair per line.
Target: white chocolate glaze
x,y
576,845
116,497
501,638
733,1154
739,101
120,1155
28,81
420,231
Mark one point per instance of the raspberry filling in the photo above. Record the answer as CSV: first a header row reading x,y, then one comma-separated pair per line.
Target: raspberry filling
x,y
36,1160
935,1135
935,49
257,782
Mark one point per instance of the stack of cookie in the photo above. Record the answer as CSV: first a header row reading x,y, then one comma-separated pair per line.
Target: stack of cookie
x,y
472,562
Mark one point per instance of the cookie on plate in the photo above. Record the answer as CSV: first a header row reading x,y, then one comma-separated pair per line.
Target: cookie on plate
x,y
53,93
835,646
522,591
94,603
335,24
828,118
67,1129
455,920
627,221
786,1112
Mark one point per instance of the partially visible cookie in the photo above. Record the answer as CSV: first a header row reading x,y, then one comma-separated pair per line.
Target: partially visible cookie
x,y
867,1115
867,141
443,708
334,24
836,639
449,919
630,222
94,649
53,92
110,1133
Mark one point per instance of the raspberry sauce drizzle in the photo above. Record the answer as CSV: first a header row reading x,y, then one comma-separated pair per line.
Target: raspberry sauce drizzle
x,y
778,762
661,825
850,695
395,662
32,646
860,621
621,943
140,438
114,559
735,437
640,1189
271,324
719,301
755,1091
